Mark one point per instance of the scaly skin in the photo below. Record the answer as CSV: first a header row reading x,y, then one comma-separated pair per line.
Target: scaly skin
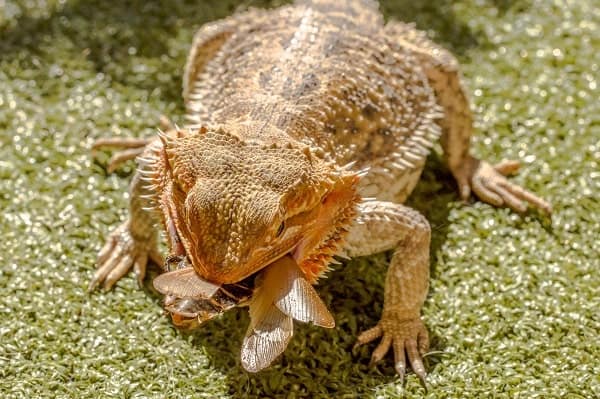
x,y
287,109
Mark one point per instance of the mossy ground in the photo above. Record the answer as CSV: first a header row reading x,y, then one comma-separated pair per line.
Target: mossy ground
x,y
514,306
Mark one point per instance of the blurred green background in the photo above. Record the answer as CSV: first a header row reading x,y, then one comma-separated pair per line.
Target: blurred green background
x,y
514,303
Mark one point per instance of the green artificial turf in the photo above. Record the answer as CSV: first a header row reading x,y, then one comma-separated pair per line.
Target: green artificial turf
x,y
514,305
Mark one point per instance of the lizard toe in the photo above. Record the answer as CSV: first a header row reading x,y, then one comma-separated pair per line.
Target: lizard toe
x,y
507,167
121,157
368,336
382,349
130,149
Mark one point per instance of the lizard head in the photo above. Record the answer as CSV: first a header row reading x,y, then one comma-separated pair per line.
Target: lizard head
x,y
232,206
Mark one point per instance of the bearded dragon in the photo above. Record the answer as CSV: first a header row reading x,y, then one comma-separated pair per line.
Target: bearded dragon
x,y
307,128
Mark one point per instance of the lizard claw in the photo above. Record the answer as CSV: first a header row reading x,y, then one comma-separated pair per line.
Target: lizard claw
x,y
121,253
405,337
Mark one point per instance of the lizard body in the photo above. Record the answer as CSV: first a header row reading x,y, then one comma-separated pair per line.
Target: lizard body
x,y
308,127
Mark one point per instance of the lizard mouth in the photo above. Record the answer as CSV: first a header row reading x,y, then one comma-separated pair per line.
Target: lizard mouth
x,y
190,313
187,313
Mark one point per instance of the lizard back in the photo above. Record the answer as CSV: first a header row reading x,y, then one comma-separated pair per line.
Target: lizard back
x,y
324,74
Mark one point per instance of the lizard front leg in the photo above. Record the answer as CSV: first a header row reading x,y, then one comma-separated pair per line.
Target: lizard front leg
x,y
382,226
131,244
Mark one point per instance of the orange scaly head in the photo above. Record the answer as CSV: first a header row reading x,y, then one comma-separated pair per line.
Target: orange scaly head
x,y
232,205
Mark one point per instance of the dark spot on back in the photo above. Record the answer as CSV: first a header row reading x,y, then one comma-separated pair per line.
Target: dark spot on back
x,y
264,80
369,111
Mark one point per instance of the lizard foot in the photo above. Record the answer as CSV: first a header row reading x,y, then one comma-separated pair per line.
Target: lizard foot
x,y
406,337
121,253
490,184
132,147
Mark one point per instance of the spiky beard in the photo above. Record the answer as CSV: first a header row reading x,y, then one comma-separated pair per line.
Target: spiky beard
x,y
316,264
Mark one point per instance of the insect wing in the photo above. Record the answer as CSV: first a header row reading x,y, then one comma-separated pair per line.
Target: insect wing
x,y
267,340
184,283
302,303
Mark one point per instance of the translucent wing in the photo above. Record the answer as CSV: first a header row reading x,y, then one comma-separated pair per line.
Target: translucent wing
x,y
293,294
184,283
266,340
301,302
282,294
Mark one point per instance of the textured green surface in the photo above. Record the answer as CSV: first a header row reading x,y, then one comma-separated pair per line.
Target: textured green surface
x,y
514,302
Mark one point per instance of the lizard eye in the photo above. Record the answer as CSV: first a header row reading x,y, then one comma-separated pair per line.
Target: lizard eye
x,y
280,229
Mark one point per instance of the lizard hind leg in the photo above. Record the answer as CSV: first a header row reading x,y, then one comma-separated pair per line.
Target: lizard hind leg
x,y
487,182
130,149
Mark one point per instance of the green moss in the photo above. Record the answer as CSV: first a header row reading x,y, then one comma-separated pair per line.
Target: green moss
x,y
513,307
